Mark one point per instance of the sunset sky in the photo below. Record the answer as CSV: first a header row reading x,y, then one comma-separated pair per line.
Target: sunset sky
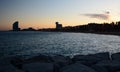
x,y
44,13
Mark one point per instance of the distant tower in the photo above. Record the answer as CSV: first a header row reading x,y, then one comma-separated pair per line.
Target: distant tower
x,y
58,26
16,26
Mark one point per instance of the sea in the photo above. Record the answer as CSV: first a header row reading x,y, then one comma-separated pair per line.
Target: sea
x,y
32,43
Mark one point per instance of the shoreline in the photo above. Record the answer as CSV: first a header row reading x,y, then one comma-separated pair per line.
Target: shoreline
x,y
101,33
107,33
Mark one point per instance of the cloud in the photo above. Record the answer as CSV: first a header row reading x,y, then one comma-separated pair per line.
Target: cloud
x,y
104,16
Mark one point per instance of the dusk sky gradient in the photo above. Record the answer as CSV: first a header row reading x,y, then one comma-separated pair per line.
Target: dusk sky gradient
x,y
44,13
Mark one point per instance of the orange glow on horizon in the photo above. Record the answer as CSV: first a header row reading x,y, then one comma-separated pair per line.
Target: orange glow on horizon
x,y
42,23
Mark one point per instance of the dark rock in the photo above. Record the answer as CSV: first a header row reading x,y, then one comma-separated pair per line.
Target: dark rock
x,y
102,56
17,62
40,58
111,66
85,59
91,58
99,68
60,58
116,56
38,67
77,67
87,63
9,68
6,66
60,61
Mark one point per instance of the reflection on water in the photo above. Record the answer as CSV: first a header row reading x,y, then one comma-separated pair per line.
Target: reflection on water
x,y
33,43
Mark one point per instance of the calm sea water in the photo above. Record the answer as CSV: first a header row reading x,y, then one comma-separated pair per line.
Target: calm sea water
x,y
34,43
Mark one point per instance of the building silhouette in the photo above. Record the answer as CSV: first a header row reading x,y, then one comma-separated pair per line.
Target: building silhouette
x,y
16,26
58,26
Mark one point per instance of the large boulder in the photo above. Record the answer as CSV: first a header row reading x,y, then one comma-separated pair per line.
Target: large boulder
x,y
38,67
116,56
110,65
60,61
102,56
9,68
6,66
17,62
77,67
91,58
99,68
60,58
40,58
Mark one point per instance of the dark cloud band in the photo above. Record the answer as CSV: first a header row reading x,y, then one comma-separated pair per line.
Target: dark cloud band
x,y
104,16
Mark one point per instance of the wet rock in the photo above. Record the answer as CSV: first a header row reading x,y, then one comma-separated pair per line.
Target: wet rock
x,y
91,58
38,67
60,61
77,67
103,56
116,56
111,66
40,58
85,59
60,58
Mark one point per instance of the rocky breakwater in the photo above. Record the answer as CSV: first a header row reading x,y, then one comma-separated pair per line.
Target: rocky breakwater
x,y
100,62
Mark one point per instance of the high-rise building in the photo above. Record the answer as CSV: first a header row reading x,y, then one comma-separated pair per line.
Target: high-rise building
x,y
58,26
16,26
